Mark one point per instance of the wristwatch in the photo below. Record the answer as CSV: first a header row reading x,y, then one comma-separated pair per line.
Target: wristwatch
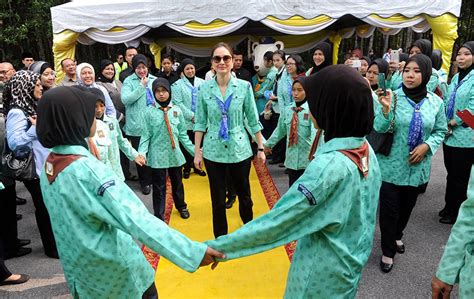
x,y
260,149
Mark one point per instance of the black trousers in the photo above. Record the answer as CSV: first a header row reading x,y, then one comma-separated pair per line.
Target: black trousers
x,y
396,205
144,172
4,272
159,189
239,173
42,218
124,162
229,185
8,223
150,293
458,162
294,175
189,159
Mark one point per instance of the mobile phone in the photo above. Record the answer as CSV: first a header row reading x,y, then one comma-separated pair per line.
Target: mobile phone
x,y
381,83
395,56
356,63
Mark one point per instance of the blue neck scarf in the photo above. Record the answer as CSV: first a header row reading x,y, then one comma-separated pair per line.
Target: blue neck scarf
x,y
194,94
150,99
415,133
452,101
224,107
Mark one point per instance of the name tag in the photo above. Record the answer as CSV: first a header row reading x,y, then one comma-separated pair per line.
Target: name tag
x,y
309,196
175,113
306,116
100,133
111,126
104,187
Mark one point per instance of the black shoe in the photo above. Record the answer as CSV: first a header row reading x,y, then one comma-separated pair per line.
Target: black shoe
x,y
146,189
400,248
200,172
287,171
20,201
281,165
23,242
20,252
448,219
230,202
186,174
133,178
385,267
19,217
23,278
443,213
53,254
184,213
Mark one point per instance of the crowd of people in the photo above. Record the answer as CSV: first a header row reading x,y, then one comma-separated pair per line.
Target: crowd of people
x,y
81,135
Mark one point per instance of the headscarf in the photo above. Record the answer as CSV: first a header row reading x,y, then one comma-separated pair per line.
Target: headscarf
x,y
436,59
383,68
183,65
103,64
366,58
79,69
424,45
300,79
341,102
99,96
137,59
463,72
327,51
357,52
419,93
18,92
65,116
39,67
404,57
161,82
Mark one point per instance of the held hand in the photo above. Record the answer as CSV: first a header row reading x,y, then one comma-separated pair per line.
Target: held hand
x,y
140,160
32,120
210,258
267,150
401,66
144,81
440,289
268,105
273,98
198,159
348,62
385,101
418,153
261,157
452,123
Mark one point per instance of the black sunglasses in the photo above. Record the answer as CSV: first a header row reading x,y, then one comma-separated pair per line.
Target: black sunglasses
x,y
218,59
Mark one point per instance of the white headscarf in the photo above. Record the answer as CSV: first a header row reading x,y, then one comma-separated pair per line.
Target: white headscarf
x,y
79,70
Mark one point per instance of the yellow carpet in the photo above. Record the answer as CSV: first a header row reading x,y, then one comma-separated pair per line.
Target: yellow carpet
x,y
259,276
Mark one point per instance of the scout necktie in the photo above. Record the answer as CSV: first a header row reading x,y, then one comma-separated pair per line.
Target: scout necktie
x,y
314,146
415,132
150,99
194,93
168,125
294,127
259,83
452,100
224,107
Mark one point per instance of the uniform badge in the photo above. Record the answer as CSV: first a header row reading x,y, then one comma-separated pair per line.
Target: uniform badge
x,y
100,133
104,187
111,126
49,168
306,116
309,196
365,164
175,113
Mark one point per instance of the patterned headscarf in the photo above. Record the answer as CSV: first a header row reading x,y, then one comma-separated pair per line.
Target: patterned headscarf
x,y
18,92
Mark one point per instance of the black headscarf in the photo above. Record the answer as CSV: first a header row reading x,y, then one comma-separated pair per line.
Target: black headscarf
x,y
183,65
161,82
419,93
404,57
300,79
137,59
366,58
65,116
327,51
383,68
98,96
18,92
436,59
103,64
340,101
424,45
463,72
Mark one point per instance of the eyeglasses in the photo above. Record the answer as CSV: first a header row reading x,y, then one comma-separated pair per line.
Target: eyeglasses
x,y
4,72
290,63
218,59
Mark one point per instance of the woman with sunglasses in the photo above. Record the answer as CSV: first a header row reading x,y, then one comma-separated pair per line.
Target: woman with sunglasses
x,y
222,106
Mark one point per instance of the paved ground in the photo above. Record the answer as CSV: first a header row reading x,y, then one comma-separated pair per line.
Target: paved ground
x,y
411,276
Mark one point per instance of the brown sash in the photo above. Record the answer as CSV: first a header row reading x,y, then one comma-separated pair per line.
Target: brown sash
x,y
55,163
360,156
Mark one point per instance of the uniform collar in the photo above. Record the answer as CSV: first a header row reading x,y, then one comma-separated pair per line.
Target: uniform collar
x,y
230,88
345,143
71,150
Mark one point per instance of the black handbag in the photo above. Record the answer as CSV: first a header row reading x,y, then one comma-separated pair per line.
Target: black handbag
x,y
18,168
382,142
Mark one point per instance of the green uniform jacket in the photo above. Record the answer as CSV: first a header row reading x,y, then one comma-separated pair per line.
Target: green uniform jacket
x,y
95,218
182,96
155,142
134,99
331,211
457,263
285,97
296,155
209,116
461,137
395,167
266,85
109,141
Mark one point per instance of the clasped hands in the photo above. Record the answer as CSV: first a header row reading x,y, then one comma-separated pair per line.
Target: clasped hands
x,y
210,258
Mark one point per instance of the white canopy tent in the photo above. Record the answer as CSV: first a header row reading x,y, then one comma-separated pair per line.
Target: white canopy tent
x,y
192,27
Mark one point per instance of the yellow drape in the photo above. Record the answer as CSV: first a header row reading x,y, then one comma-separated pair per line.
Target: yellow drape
x,y
444,30
155,49
64,46
335,39
298,21
216,24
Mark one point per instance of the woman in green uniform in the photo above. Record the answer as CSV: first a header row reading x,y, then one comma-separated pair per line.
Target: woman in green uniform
x,y
223,104
331,208
95,216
